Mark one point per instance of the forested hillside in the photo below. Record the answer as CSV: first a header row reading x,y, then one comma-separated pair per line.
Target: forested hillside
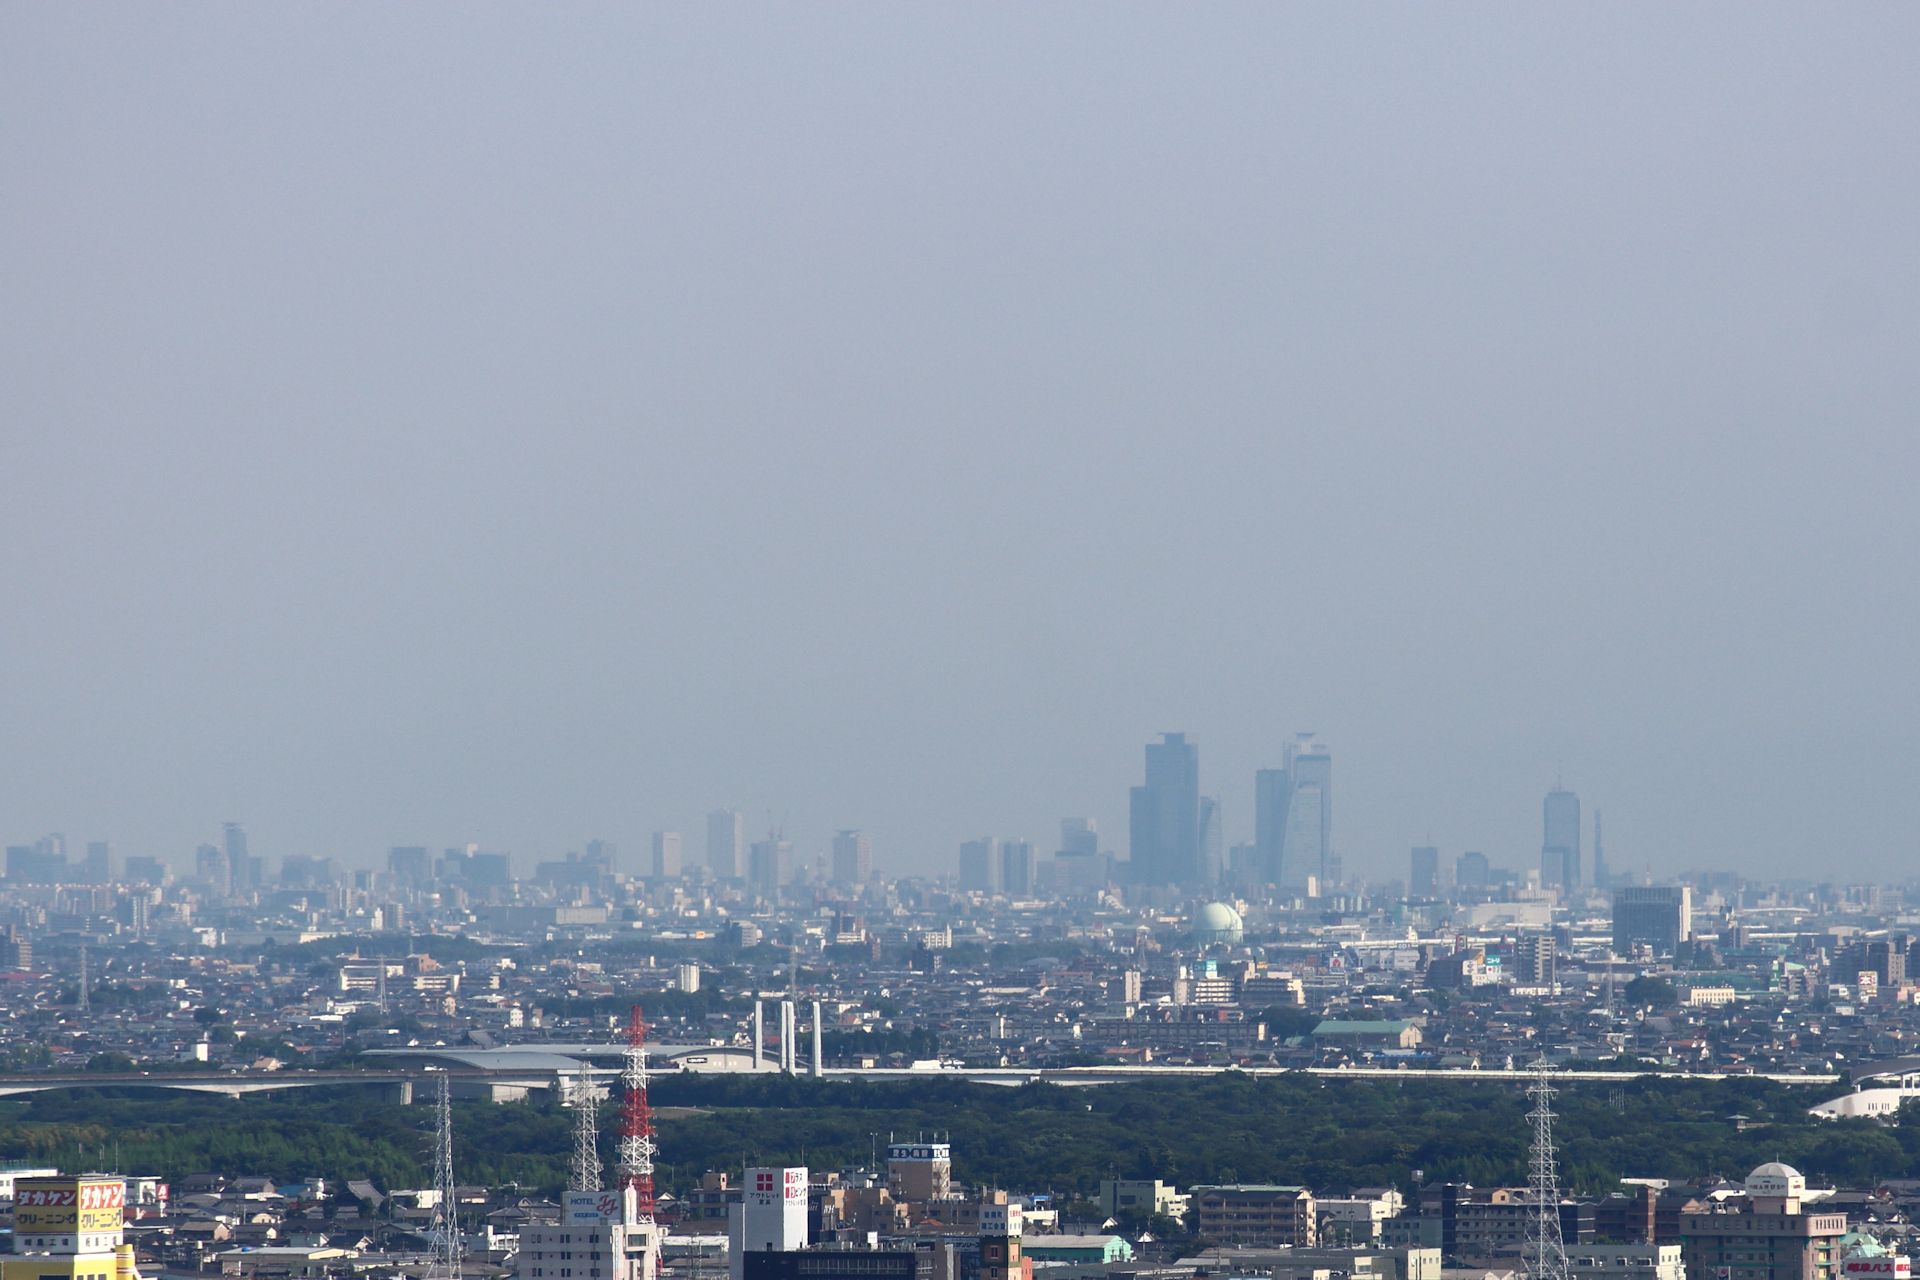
x,y
1325,1133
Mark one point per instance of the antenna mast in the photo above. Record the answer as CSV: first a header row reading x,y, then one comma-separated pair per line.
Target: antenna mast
x,y
445,1261
637,1146
586,1134
1546,1252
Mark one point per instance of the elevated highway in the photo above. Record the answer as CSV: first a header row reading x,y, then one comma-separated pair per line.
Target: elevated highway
x,y
510,1081
387,1086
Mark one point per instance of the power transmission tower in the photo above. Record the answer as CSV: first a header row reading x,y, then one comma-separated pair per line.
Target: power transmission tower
x,y
1546,1251
84,1004
586,1134
445,1261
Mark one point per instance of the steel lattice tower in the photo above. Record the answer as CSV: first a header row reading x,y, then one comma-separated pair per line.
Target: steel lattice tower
x,y
445,1261
1546,1251
586,1134
637,1146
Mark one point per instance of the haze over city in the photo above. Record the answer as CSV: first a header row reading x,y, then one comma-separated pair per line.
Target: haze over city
x,y
422,432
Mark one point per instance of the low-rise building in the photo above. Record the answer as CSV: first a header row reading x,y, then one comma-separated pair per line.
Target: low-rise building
x,y
1255,1214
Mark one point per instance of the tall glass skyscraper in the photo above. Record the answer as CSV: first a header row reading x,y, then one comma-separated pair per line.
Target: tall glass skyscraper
x,y
1308,850
1560,847
1272,797
1164,815
726,842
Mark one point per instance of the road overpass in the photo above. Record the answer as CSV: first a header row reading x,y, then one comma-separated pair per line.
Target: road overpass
x,y
513,1082
387,1086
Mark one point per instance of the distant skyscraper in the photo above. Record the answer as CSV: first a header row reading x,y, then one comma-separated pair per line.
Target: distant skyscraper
x,y
1600,876
852,858
666,855
1308,848
980,866
100,862
1212,841
210,865
1423,880
726,842
1470,870
1164,815
143,868
1272,797
1659,915
769,865
1560,849
1079,836
410,865
1016,868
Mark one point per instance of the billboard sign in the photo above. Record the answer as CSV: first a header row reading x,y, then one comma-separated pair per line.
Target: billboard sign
x,y
592,1206
68,1206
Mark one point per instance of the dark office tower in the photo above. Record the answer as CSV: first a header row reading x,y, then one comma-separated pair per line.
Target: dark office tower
x,y
726,842
1079,836
1560,849
1212,842
769,865
1423,879
1308,844
1272,797
245,871
1599,855
1164,815
101,867
1016,868
852,857
410,865
980,866
144,869
1470,870
1658,915
210,864
1886,959
486,870
1533,960
666,855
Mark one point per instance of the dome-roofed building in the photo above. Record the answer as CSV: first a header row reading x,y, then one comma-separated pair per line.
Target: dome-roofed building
x,y
1772,1238
1776,1188
1218,922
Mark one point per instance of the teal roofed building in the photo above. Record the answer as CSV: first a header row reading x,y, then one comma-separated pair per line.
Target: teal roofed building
x,y
1062,1248
1397,1033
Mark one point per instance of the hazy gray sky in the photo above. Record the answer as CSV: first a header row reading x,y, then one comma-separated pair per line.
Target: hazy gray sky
x,y
428,423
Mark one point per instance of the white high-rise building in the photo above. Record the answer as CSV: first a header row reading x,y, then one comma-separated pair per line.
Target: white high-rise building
x,y
666,855
770,1218
597,1235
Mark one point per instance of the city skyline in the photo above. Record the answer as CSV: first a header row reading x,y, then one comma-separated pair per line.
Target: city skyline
x,y
1304,852
896,422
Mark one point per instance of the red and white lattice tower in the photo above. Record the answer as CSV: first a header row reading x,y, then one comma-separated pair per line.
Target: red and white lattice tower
x,y
637,1146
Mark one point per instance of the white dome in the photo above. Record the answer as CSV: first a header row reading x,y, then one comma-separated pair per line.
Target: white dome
x,y
1218,922
1776,1180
